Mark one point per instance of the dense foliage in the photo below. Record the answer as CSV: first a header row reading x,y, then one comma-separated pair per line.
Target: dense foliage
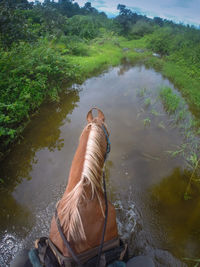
x,y
33,39
42,45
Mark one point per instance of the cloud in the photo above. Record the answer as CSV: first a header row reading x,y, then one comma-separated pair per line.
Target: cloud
x,y
136,9
186,11
184,3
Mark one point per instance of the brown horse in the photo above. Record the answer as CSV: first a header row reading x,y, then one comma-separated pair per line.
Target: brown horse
x,y
80,211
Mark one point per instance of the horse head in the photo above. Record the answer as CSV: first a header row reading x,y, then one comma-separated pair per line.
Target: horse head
x,y
81,209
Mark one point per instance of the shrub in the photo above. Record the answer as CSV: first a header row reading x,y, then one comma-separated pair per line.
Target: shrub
x,y
83,26
28,74
160,41
140,29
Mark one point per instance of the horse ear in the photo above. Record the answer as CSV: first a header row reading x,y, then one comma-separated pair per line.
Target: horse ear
x,y
89,116
101,115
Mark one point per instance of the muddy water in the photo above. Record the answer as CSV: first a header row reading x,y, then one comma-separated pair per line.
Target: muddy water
x,y
145,183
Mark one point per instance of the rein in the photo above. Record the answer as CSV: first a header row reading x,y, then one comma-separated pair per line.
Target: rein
x,y
67,244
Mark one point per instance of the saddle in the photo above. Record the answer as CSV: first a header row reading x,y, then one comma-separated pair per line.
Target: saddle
x,y
48,255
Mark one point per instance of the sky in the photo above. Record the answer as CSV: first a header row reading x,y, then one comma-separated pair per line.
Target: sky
x,y
185,11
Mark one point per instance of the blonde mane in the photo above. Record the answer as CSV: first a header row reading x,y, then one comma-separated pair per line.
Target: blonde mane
x,y
91,175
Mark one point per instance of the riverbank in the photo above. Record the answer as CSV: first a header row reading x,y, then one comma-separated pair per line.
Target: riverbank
x,y
39,72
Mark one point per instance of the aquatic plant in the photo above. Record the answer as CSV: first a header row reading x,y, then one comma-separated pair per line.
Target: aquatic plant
x,y
147,122
141,92
154,112
161,125
193,162
170,100
147,102
197,264
179,151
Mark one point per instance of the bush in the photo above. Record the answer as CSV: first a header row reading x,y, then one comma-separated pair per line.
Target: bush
x,y
72,45
160,41
28,74
86,27
140,29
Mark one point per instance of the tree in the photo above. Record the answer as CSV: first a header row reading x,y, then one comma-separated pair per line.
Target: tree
x,y
16,4
126,18
158,21
87,6
12,24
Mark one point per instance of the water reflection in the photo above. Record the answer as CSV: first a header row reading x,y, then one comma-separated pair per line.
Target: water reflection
x,y
43,132
12,211
181,218
126,66
23,198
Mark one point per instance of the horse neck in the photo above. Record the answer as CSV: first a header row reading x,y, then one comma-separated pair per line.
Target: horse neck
x,y
79,160
84,179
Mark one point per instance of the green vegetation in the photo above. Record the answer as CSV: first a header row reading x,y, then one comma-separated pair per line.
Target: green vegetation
x,y
35,72
147,122
147,102
170,100
44,46
196,262
189,150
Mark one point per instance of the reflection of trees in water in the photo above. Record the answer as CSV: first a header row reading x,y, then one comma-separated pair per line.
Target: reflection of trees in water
x,y
181,217
43,132
126,66
13,212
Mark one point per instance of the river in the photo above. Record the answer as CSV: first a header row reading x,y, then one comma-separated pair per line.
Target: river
x,y
144,182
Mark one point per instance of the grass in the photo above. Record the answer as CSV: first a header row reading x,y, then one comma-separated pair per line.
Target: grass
x,y
189,87
170,100
105,52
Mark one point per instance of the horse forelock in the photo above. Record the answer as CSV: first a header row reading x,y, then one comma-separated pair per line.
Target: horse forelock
x,y
91,175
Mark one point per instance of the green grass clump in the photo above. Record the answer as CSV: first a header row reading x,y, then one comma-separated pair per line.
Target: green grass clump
x,y
170,100
147,122
147,102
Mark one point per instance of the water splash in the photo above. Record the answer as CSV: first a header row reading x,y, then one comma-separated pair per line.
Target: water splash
x,y
10,245
126,218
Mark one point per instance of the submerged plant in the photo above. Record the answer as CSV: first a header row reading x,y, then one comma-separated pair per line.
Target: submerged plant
x,y
155,113
147,122
197,264
147,102
161,125
193,162
181,115
179,151
141,92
